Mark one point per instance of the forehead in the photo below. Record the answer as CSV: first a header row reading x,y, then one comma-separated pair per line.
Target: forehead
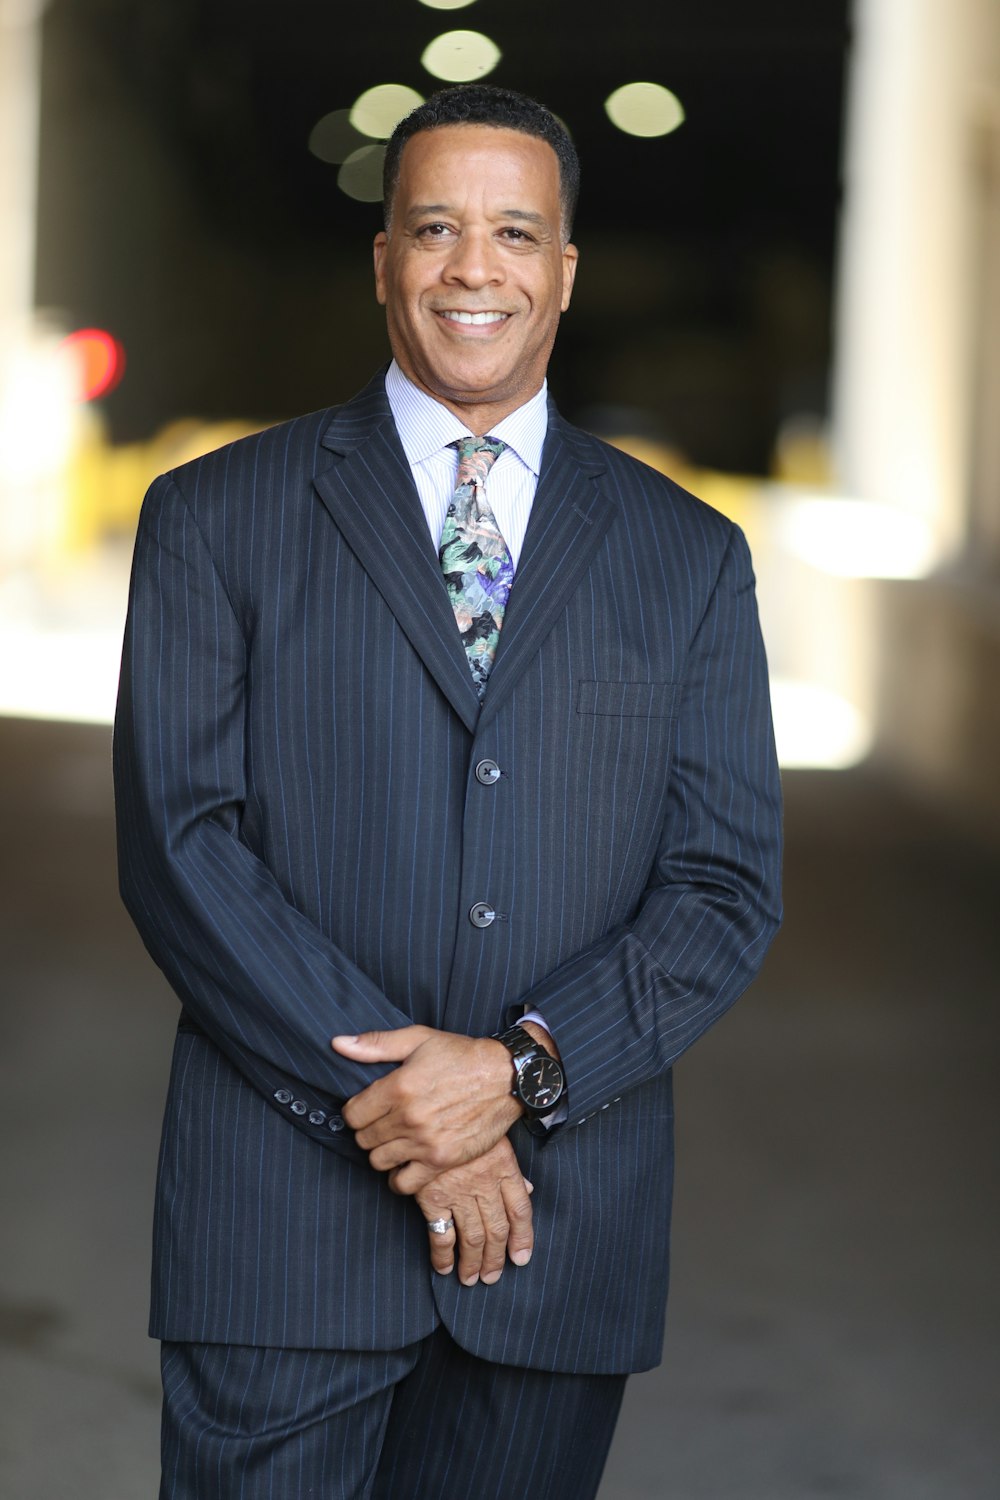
x,y
455,159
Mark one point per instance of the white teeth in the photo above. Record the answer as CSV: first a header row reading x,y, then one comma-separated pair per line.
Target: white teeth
x,y
475,318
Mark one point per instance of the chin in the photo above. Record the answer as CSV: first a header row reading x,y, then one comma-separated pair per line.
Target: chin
x,y
470,389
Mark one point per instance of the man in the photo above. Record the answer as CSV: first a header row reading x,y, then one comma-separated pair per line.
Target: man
x,y
438,720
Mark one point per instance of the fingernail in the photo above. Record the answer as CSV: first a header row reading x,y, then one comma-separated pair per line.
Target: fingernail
x,y
445,1270
469,1280
521,1257
491,1277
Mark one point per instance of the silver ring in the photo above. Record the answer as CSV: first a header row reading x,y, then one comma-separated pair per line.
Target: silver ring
x,y
440,1226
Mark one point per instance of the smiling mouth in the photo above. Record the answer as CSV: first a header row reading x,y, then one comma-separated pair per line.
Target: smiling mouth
x,y
472,319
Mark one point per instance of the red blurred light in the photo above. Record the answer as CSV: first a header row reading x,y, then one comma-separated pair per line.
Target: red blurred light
x,y
99,358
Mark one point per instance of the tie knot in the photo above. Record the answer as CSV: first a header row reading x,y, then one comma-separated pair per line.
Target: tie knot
x,y
476,457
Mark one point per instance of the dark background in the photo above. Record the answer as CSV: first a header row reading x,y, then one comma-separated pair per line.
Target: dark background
x,y
181,208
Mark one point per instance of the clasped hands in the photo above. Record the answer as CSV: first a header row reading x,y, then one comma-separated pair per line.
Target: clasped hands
x,y
438,1125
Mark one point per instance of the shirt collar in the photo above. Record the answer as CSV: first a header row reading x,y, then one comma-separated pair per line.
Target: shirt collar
x,y
425,426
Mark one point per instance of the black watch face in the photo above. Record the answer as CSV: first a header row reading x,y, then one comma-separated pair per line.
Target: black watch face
x,y
540,1083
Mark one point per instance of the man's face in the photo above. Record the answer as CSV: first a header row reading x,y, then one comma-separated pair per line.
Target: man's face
x,y
473,275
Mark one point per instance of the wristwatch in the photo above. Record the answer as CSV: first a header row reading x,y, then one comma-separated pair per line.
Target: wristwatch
x,y
539,1081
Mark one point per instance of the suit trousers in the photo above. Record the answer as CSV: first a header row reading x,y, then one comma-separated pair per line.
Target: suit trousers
x,y
428,1422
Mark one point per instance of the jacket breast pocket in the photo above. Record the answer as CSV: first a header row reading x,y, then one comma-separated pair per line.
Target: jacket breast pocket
x,y
628,700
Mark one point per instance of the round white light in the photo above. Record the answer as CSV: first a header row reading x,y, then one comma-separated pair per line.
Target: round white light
x,y
333,138
361,175
379,110
446,4
645,109
459,56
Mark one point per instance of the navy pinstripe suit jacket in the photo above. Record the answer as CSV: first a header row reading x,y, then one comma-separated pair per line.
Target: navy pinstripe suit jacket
x,y
302,836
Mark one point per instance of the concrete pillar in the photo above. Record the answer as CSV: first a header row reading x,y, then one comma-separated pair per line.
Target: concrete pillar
x,y
37,382
19,105
984,529
905,365
19,90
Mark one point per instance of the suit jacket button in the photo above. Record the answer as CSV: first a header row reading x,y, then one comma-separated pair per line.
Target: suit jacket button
x,y
284,1096
317,1117
487,772
482,914
299,1107
335,1123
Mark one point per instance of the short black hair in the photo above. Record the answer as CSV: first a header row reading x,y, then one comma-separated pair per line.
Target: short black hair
x,y
485,104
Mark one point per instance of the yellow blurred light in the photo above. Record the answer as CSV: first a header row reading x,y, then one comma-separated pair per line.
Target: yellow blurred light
x,y
644,109
459,56
858,538
59,674
446,4
817,729
361,175
38,389
333,138
379,110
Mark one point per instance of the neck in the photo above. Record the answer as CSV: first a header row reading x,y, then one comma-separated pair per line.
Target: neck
x,y
479,415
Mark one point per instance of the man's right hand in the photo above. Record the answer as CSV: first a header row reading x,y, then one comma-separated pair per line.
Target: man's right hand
x,y
489,1201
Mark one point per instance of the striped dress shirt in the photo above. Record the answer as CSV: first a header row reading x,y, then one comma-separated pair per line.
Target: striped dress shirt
x,y
427,431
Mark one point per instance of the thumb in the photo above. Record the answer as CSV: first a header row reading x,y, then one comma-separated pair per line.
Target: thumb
x,y
381,1046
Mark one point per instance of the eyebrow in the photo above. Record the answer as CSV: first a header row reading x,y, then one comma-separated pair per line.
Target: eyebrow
x,y
524,215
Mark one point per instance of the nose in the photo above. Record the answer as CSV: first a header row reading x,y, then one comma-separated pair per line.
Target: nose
x,y
475,261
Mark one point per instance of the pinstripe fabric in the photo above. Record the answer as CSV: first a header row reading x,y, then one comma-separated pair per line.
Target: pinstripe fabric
x,y
302,836
254,1424
249,1424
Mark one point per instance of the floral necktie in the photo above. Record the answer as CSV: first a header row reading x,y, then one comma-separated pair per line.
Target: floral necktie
x,y
478,569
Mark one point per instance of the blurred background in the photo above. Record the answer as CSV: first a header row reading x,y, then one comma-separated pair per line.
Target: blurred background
x,y
789,299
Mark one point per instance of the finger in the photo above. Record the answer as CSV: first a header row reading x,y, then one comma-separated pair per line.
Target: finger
x,y
521,1232
381,1046
470,1240
442,1248
373,1108
411,1177
367,1107
393,1154
497,1226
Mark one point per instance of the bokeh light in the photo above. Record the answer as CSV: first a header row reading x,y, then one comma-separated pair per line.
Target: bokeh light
x,y
644,109
379,110
460,56
98,360
858,538
361,175
333,138
816,728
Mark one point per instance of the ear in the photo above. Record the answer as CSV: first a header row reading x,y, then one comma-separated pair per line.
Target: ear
x,y
379,251
570,256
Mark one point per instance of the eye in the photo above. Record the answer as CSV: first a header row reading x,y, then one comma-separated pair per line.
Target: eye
x,y
518,236
433,231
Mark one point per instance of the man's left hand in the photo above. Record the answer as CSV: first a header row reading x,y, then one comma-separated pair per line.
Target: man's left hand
x,y
447,1103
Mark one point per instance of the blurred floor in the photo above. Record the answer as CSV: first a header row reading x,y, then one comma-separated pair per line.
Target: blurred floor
x,y
834,1318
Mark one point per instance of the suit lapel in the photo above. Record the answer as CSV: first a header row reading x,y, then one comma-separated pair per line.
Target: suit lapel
x,y
369,491
570,516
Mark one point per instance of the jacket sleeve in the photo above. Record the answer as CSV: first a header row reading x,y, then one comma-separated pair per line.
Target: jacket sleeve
x,y
624,1010
258,977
